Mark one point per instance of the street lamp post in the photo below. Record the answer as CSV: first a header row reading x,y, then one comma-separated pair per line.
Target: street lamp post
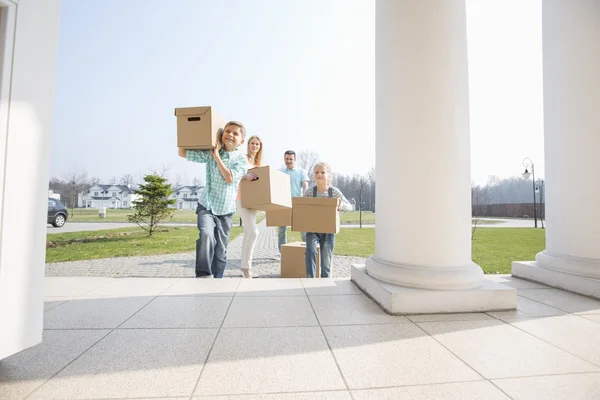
x,y
528,163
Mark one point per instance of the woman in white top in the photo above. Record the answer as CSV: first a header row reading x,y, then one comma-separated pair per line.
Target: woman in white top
x,y
248,216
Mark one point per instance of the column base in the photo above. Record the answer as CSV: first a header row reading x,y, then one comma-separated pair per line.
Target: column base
x,y
490,296
532,271
467,277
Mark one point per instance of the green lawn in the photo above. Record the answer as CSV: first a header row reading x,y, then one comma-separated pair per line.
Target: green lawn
x,y
120,215
368,218
126,242
493,249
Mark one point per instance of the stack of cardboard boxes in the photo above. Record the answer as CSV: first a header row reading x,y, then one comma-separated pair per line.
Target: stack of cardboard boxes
x,y
199,128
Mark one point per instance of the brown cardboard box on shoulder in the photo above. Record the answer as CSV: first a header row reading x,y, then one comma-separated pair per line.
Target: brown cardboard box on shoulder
x,y
281,217
198,127
270,192
315,214
293,264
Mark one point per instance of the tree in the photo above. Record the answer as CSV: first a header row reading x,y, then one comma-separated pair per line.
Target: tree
x,y
480,197
127,180
307,161
364,181
113,180
153,205
74,184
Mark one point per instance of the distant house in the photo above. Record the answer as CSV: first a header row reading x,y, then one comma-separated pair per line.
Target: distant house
x,y
109,196
186,197
53,195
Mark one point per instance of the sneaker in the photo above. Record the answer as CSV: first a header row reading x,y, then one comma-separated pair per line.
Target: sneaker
x,y
205,276
276,257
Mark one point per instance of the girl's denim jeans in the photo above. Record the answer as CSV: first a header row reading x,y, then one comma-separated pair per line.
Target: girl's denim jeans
x,y
326,241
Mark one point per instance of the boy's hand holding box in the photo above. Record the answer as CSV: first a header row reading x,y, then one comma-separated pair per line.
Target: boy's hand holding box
x,y
271,191
315,214
198,127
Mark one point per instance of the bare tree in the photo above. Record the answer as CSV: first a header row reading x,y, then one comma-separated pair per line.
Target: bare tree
x,y
364,181
127,180
307,160
94,181
163,171
113,180
75,183
480,197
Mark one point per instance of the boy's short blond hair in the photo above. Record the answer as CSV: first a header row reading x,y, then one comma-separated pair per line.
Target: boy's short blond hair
x,y
238,124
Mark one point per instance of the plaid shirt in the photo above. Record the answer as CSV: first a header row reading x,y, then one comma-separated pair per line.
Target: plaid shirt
x,y
219,196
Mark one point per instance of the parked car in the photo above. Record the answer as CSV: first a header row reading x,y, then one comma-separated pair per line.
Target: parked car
x,y
57,213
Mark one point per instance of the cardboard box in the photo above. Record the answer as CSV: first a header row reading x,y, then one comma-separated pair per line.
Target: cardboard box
x,y
293,261
198,127
315,214
281,217
270,192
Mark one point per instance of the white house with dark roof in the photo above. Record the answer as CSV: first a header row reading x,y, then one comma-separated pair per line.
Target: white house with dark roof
x,y
109,196
186,197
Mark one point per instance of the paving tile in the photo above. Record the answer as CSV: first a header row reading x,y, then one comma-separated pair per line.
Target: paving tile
x,y
516,283
526,309
67,286
271,287
327,287
571,333
23,372
203,287
269,360
330,395
93,313
251,312
449,317
134,363
181,312
130,287
555,387
571,302
374,356
447,391
350,310
592,317
53,302
498,350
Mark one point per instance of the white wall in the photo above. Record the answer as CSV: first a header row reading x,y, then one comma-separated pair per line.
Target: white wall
x,y
27,159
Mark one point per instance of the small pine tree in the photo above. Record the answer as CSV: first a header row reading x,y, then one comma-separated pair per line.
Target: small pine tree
x,y
153,205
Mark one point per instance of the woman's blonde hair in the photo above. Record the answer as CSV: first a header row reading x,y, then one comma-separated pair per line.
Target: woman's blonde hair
x,y
257,160
327,169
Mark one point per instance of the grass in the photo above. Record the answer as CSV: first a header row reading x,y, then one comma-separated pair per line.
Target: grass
x,y
368,218
120,215
126,242
492,249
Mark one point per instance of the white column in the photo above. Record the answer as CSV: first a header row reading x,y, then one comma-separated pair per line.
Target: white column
x,y
571,57
28,62
422,261
423,232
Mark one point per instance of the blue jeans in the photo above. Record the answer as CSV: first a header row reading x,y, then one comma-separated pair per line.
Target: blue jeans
x,y
326,241
282,236
211,246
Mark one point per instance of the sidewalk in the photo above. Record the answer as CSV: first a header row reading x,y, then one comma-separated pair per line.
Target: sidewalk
x,y
182,264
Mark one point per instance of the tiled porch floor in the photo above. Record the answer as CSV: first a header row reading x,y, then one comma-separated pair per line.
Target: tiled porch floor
x,y
294,339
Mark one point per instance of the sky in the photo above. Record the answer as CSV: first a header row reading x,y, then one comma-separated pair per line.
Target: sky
x,y
298,73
